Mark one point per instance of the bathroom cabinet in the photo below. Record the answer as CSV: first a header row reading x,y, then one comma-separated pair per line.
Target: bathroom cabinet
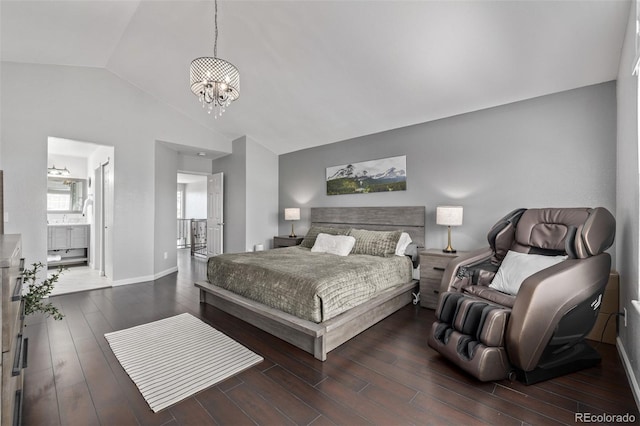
x,y
68,244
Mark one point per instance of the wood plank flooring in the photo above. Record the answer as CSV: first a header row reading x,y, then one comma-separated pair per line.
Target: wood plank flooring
x,y
386,375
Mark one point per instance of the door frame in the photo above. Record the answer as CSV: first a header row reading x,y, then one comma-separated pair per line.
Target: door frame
x,y
105,204
215,226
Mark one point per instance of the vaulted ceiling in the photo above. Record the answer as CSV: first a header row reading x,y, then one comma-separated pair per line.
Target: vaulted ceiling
x,y
317,72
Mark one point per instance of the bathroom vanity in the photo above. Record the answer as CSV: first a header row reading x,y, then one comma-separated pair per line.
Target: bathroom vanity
x,y
68,243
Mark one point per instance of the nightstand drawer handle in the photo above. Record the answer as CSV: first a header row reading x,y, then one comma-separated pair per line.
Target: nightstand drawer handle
x,y
20,356
436,291
437,268
25,353
17,290
17,408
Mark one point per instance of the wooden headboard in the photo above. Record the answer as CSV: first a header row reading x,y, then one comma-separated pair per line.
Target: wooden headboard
x,y
409,219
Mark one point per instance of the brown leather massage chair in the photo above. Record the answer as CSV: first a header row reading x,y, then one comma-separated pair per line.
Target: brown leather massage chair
x,y
536,331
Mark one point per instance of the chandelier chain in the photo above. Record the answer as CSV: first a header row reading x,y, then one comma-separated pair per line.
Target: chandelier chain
x,y
215,21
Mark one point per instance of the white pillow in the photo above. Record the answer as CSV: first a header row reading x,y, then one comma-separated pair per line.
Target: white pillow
x,y
403,242
516,267
334,244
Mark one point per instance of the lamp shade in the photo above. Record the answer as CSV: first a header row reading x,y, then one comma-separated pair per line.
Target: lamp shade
x,y
292,214
449,215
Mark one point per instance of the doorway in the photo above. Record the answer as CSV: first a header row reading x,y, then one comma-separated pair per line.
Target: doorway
x,y
200,208
191,213
79,244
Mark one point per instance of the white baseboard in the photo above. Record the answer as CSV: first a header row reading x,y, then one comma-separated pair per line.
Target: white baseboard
x,y
165,272
142,279
134,280
633,382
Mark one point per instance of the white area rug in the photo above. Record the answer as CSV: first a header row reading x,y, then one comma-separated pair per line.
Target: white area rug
x,y
173,358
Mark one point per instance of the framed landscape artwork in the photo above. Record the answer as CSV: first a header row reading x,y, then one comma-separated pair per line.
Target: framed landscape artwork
x,y
384,175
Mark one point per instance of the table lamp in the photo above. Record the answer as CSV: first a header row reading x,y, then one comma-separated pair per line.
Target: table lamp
x,y
292,214
449,216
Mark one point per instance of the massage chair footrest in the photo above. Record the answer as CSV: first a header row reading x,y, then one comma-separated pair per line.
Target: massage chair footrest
x,y
469,315
484,362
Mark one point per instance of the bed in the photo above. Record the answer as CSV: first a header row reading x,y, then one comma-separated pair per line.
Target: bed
x,y
319,333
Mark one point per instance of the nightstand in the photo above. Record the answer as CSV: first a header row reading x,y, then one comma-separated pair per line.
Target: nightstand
x,y
286,241
432,265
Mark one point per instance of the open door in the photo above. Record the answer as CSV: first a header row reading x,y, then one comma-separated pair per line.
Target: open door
x,y
215,210
107,220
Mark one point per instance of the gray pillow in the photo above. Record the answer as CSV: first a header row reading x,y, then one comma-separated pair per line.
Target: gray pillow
x,y
375,243
312,234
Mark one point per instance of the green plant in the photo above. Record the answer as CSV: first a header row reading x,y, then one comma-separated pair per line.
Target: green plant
x,y
38,291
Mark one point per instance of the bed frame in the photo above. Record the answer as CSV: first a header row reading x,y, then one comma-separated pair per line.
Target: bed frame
x,y
320,338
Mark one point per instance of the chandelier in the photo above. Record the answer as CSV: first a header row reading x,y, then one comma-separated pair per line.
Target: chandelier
x,y
214,81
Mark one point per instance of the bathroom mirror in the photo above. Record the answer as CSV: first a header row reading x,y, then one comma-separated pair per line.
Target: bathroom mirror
x,y
65,195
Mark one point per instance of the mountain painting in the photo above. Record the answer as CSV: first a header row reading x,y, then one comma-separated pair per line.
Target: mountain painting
x,y
387,174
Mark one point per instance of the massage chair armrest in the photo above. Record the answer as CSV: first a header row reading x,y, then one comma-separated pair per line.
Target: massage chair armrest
x,y
544,298
449,279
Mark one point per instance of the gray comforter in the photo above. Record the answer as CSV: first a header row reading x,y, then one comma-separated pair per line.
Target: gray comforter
x,y
311,286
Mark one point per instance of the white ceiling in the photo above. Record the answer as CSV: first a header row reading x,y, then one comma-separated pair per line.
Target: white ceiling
x,y
316,72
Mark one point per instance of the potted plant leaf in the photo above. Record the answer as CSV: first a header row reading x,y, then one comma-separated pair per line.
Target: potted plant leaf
x,y
36,291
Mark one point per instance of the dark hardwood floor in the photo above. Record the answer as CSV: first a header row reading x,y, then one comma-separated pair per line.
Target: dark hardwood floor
x,y
386,375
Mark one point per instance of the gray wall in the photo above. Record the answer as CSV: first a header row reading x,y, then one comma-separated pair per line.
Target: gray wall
x,y
233,166
166,185
250,195
262,196
557,150
191,164
627,208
